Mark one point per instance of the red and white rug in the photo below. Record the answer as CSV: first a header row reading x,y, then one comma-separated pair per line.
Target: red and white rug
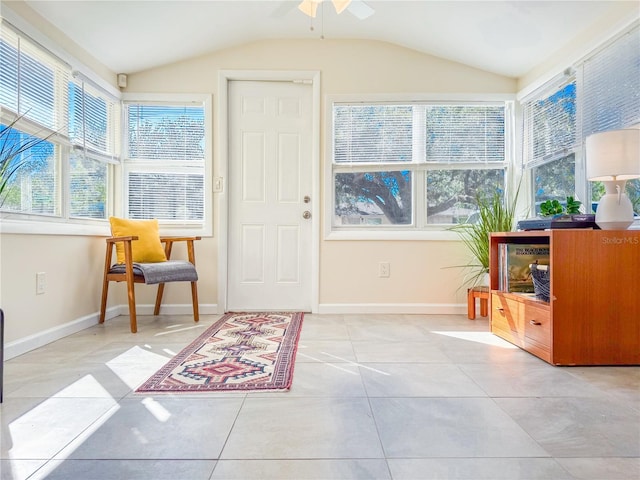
x,y
241,351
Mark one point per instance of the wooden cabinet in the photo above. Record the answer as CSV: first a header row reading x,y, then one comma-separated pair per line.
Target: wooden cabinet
x,y
593,317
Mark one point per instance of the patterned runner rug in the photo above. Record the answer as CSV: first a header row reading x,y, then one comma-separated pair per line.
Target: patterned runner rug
x,y
241,351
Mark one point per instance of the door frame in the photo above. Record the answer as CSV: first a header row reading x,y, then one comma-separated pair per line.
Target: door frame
x,y
221,173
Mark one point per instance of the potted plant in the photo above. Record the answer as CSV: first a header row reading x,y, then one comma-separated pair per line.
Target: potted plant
x,y
566,216
554,207
494,215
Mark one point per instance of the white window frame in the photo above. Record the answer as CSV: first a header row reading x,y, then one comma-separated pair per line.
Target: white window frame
x,y
205,228
35,224
417,231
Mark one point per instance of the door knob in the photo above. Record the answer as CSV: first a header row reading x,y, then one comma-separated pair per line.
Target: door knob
x,y
306,215
307,199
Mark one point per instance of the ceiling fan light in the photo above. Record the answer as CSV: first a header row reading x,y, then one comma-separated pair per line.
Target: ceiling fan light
x,y
309,7
341,5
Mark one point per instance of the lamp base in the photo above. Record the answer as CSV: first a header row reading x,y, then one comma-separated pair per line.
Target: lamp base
x,y
614,212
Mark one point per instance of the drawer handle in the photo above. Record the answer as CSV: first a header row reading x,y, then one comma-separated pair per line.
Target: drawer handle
x,y
500,309
535,322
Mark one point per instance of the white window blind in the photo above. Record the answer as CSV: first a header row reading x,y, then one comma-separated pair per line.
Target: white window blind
x,y
610,86
164,162
34,82
175,196
372,133
166,132
550,123
94,121
465,133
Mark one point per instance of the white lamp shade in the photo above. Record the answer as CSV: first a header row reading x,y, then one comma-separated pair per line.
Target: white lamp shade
x,y
613,155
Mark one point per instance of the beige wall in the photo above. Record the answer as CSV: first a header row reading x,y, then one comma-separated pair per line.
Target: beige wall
x,y
349,269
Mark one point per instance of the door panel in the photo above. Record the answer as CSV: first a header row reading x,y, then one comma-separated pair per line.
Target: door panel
x,y
269,240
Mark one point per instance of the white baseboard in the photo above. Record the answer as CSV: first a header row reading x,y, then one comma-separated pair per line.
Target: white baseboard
x,y
26,344
391,308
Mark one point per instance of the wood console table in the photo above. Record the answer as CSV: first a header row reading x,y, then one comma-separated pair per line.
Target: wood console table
x,y
593,317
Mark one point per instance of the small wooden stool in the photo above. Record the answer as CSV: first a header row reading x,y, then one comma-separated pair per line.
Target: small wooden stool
x,y
483,294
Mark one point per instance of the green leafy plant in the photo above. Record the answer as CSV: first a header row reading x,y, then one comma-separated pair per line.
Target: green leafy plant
x,y
573,206
554,207
551,207
494,215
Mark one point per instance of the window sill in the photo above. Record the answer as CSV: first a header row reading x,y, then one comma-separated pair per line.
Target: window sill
x,y
56,226
376,235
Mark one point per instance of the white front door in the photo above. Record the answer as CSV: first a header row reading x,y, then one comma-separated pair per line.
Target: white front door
x,y
270,184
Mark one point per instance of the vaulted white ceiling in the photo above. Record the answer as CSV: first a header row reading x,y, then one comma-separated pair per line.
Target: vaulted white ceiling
x,y
504,37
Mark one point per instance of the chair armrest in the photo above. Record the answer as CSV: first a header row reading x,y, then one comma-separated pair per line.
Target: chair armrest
x,y
179,239
122,239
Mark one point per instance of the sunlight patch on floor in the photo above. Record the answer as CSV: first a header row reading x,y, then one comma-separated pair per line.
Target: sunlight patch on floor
x,y
486,338
136,365
63,420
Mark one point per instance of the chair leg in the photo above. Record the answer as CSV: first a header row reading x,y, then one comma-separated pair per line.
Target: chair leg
x,y
132,306
156,309
194,300
131,294
103,303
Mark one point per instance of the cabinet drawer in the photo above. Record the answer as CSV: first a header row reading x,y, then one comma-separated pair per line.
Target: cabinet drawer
x,y
537,324
506,318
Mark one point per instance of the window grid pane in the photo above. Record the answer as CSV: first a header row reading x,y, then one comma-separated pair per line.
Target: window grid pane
x,y
465,133
165,132
373,198
451,195
166,196
372,133
35,187
554,181
610,87
87,187
550,125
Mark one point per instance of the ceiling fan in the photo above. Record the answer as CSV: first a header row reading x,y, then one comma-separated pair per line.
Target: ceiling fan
x,y
357,8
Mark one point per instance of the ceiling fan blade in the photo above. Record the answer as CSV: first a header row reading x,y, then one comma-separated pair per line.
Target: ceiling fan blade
x,y
309,7
340,5
360,10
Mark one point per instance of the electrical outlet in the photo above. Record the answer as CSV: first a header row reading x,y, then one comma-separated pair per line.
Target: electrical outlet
x,y
41,283
384,269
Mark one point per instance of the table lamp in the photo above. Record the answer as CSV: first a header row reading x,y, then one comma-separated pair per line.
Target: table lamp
x,y
613,158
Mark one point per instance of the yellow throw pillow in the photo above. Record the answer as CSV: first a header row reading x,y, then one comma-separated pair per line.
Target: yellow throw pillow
x,y
148,248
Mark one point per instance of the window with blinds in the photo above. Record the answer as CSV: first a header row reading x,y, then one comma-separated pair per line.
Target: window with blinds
x,y
34,101
416,164
610,86
94,123
550,124
165,162
602,93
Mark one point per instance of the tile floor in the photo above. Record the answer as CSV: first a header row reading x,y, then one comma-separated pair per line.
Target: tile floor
x,y
373,397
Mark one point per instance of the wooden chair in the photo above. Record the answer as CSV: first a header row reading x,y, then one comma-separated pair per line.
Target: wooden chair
x,y
149,273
